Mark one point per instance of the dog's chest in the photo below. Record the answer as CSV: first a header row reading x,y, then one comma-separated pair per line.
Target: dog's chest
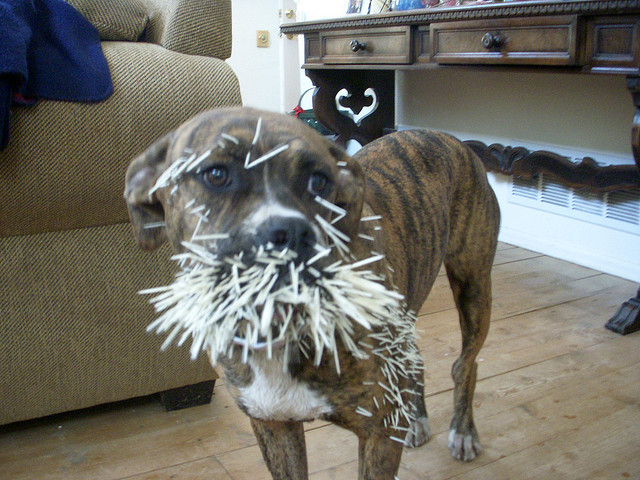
x,y
275,395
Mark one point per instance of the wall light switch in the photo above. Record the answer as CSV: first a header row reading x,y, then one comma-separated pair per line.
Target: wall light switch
x,y
262,38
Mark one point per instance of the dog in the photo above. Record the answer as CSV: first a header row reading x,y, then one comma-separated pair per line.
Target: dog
x,y
417,198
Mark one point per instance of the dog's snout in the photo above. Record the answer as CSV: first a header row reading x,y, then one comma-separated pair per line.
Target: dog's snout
x,y
294,234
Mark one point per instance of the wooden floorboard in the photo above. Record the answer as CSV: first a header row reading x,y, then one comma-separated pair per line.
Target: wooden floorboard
x,y
558,397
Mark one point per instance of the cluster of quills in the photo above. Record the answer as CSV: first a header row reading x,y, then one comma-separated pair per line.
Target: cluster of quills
x,y
264,300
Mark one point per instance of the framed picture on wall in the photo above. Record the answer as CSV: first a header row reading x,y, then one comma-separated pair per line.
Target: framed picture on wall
x,y
354,6
368,6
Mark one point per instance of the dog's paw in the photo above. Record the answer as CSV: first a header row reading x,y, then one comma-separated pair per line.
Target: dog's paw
x,y
419,433
464,447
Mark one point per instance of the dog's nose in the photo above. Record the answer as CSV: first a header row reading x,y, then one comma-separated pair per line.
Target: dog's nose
x,y
294,234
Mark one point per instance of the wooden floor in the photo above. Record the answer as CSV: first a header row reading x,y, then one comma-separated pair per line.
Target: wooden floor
x,y
558,397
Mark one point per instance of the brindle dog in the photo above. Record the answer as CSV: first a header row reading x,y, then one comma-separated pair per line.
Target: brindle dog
x,y
436,207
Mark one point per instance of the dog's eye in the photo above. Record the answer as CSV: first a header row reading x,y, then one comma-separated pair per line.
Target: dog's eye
x,y
318,183
216,177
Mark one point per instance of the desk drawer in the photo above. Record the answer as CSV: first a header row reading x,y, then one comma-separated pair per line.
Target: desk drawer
x,y
548,41
613,44
371,46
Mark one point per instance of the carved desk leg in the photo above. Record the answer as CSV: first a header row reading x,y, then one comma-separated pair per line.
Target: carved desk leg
x,y
633,84
627,318
355,104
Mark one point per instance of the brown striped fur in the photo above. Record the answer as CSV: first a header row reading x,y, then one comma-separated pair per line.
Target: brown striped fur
x,y
436,208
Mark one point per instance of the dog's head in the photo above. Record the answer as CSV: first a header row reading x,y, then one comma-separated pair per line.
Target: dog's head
x,y
236,179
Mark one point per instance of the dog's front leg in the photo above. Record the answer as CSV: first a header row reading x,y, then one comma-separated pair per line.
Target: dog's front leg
x,y
283,448
379,457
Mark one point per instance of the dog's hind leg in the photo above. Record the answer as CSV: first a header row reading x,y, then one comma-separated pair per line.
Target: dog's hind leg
x,y
378,457
472,294
473,238
283,448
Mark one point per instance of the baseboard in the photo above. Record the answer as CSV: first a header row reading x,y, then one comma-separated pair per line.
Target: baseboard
x,y
608,250
620,267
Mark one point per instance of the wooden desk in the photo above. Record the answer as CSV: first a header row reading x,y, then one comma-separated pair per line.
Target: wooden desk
x,y
352,61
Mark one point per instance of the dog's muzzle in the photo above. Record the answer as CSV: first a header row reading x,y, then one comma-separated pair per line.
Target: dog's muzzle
x,y
291,233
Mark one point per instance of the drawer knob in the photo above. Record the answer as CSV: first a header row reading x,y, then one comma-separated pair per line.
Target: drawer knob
x,y
492,40
356,45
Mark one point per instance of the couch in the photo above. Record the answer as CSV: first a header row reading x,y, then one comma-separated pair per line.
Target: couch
x,y
73,325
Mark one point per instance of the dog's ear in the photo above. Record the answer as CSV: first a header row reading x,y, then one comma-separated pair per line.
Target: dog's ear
x,y
350,184
145,210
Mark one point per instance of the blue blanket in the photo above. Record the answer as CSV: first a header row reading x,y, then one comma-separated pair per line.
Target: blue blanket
x,y
48,50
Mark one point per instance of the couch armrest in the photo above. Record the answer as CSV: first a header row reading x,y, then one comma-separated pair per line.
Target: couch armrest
x,y
89,145
194,27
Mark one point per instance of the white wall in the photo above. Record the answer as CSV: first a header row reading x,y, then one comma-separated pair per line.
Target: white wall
x,y
588,112
258,69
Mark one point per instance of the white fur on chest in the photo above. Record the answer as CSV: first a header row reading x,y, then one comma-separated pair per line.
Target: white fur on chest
x,y
275,395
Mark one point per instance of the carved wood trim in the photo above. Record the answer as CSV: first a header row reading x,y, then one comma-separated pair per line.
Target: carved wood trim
x,y
475,12
356,82
521,162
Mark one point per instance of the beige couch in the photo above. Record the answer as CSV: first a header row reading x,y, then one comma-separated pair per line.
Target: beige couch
x,y
73,326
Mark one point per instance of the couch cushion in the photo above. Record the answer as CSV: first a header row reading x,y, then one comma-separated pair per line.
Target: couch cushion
x,y
122,20
193,28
